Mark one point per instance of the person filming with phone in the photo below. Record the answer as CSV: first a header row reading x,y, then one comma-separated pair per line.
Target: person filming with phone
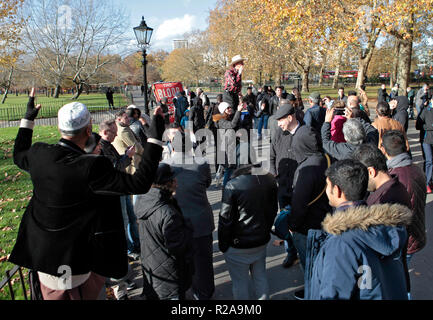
x,y
354,132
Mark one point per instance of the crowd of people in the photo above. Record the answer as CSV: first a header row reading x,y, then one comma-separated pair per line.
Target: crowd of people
x,y
352,200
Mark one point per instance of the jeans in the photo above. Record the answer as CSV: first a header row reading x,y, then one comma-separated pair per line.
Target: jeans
x,y
263,123
130,224
428,161
290,247
300,242
256,123
242,262
408,259
288,244
227,174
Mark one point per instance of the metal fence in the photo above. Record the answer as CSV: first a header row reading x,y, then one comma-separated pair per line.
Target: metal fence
x,y
8,281
98,115
10,116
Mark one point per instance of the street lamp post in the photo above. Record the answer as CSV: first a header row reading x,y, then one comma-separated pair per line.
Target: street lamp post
x,y
143,34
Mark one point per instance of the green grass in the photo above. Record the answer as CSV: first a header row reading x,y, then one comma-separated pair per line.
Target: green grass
x,y
15,106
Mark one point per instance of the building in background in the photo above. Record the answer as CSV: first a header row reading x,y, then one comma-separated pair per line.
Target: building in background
x,y
178,44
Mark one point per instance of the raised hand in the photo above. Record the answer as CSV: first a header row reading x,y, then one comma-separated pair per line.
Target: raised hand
x,y
329,115
131,151
32,111
157,127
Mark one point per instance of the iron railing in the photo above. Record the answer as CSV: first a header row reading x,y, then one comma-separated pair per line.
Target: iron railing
x,y
8,281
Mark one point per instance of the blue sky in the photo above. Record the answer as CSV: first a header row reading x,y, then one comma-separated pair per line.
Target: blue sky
x,y
170,19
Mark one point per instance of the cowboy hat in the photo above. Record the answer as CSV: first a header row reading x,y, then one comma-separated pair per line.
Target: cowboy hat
x,y
236,59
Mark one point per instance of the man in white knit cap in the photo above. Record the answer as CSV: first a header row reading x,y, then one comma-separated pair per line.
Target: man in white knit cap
x,y
71,235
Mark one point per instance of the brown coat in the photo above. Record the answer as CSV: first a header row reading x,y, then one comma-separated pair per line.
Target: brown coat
x,y
383,124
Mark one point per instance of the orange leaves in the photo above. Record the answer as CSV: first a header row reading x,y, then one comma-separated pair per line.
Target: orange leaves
x,y
10,27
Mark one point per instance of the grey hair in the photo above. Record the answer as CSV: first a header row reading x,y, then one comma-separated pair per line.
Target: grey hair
x,y
314,100
353,132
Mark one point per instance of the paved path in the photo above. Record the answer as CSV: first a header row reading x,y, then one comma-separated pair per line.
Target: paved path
x,y
283,282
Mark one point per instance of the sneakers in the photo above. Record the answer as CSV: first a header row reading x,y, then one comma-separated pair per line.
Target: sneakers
x,y
131,285
299,295
289,261
428,189
133,256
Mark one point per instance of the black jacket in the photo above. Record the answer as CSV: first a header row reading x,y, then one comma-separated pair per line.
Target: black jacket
x,y
166,243
283,166
424,123
74,217
251,100
260,97
273,104
248,210
139,131
309,182
196,115
382,95
120,162
401,114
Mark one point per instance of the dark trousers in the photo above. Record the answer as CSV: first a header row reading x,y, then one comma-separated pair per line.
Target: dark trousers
x,y
203,278
232,99
428,152
110,103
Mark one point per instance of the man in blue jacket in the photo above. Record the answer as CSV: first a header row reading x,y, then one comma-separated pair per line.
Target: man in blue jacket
x,y
359,256
315,115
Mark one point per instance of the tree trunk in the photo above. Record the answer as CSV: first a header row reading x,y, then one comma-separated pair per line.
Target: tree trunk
x,y
280,74
337,69
8,85
404,62
365,58
394,72
56,91
305,79
79,88
322,68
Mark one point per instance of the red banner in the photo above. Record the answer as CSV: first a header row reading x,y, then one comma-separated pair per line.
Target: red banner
x,y
168,90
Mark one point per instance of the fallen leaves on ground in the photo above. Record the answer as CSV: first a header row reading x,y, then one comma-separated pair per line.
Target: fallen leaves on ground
x,y
4,258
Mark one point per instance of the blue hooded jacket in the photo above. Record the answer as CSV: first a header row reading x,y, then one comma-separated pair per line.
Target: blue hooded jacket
x,y
359,256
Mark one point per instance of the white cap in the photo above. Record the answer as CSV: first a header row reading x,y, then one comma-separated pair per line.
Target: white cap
x,y
73,116
132,106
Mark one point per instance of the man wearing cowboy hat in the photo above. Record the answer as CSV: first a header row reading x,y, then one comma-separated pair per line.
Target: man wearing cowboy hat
x,y
233,81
